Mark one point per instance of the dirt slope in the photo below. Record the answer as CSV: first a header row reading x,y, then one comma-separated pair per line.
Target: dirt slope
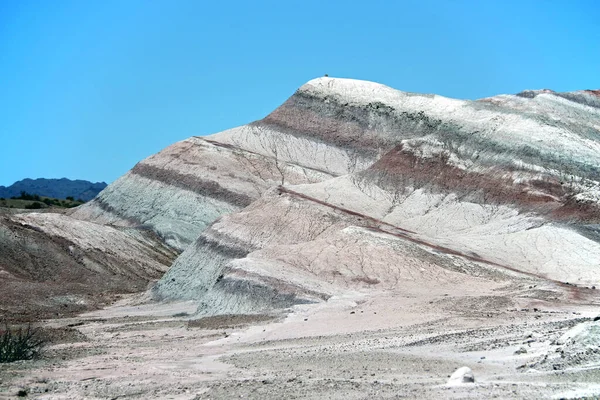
x,y
51,264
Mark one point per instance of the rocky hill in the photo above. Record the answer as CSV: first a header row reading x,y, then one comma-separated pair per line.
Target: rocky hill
x,y
352,185
375,240
56,188
348,187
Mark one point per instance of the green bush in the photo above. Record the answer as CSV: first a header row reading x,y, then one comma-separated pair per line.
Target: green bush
x,y
27,196
34,206
19,344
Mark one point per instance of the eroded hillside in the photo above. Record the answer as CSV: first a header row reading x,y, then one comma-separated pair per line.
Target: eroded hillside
x,y
358,242
501,186
348,187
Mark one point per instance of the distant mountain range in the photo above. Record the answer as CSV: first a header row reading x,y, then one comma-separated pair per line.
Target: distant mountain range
x,y
57,188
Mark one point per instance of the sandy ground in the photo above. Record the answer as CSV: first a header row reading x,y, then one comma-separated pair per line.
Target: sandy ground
x,y
386,345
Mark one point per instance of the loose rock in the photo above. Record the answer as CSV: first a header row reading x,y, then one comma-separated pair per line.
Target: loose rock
x,y
461,376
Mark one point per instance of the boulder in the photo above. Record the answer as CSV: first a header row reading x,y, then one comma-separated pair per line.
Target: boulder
x,y
461,376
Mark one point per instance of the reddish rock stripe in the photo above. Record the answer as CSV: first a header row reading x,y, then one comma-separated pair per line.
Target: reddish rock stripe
x,y
578,211
309,124
402,168
594,92
367,219
192,183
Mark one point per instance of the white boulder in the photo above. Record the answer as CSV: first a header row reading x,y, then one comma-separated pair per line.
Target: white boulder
x,y
461,376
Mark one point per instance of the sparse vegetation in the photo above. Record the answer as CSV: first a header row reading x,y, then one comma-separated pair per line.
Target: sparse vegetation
x,y
19,344
27,196
35,202
34,206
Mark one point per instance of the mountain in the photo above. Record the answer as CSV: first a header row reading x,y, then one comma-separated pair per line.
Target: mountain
x,y
352,185
350,188
376,240
56,188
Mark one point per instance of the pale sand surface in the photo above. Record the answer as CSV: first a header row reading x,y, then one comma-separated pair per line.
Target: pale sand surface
x,y
385,345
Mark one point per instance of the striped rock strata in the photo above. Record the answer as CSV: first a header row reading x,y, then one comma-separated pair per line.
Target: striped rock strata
x,y
349,188
365,188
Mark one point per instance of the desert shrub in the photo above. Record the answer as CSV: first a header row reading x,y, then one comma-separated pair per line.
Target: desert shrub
x,y
34,206
27,196
70,198
19,344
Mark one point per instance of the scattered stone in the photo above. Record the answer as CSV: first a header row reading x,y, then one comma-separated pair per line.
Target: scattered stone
x,y
461,376
522,350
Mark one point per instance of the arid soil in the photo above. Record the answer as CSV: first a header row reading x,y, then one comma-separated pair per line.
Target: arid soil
x,y
53,266
391,345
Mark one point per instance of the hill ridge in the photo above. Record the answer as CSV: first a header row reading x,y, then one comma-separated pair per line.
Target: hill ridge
x,y
59,188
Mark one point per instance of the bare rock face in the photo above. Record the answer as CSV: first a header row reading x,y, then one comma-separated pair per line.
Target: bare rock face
x,y
461,376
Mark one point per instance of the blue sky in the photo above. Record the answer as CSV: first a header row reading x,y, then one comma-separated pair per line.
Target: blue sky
x,y
88,88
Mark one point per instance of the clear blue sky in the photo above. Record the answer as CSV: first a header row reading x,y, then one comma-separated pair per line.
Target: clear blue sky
x,y
88,88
